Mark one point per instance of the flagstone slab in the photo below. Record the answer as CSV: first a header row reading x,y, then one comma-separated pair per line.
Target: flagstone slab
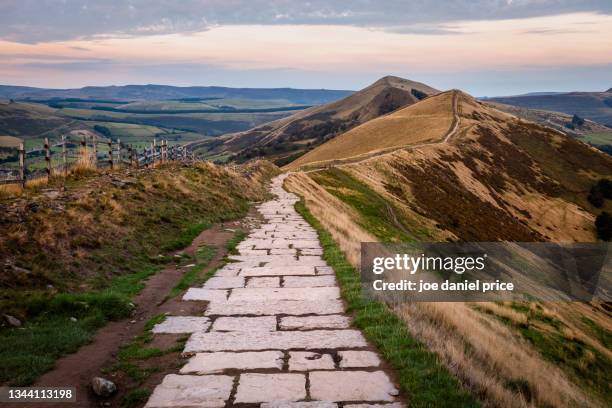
x,y
210,363
283,251
277,340
324,270
315,322
307,361
391,405
356,359
351,386
182,324
224,282
207,391
253,387
263,323
273,307
287,269
302,404
271,294
263,282
209,295
309,281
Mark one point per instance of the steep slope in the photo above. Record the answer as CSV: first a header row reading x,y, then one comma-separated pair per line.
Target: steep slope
x,y
497,177
301,132
424,122
596,106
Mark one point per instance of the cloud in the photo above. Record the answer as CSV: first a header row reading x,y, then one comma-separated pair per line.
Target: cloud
x,y
31,21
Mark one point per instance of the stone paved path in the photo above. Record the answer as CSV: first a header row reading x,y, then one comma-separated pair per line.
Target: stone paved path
x,y
274,333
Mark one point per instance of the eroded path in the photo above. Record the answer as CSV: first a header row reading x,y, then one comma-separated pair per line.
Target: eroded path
x,y
274,333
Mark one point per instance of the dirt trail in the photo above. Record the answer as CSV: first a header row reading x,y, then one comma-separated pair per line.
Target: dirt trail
x,y
79,368
275,331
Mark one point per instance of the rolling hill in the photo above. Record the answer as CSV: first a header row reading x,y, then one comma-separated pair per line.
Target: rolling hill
x,y
596,106
34,121
413,176
165,92
292,136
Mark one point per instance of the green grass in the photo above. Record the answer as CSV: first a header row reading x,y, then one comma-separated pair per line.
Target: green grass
x,y
374,210
135,397
192,277
422,377
232,244
603,138
186,236
586,365
131,355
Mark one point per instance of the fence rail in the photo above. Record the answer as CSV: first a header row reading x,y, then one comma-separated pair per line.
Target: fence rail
x,y
116,154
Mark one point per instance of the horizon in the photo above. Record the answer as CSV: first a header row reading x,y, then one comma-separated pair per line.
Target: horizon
x,y
293,87
485,48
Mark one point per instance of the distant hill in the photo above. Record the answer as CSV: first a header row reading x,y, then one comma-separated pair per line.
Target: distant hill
x,y
27,120
288,137
596,106
165,92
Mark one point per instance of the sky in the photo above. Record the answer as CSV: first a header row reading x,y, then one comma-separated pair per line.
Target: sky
x,y
485,47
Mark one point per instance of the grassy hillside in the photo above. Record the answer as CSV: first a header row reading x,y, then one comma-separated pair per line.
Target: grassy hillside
x,y
596,106
427,121
498,178
290,137
71,259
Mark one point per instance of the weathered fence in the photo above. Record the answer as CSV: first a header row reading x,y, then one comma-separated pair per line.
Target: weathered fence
x,y
85,153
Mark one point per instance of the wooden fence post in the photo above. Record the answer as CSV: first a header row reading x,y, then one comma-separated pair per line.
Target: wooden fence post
x,y
95,151
110,153
65,155
119,152
48,157
22,172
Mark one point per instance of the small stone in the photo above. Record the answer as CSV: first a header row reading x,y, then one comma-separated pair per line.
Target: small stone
x,y
12,320
73,319
103,387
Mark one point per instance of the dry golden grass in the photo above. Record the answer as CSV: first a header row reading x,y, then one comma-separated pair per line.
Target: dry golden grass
x,y
426,121
488,356
335,216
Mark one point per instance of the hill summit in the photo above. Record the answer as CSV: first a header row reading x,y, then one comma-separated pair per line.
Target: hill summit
x,y
290,137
